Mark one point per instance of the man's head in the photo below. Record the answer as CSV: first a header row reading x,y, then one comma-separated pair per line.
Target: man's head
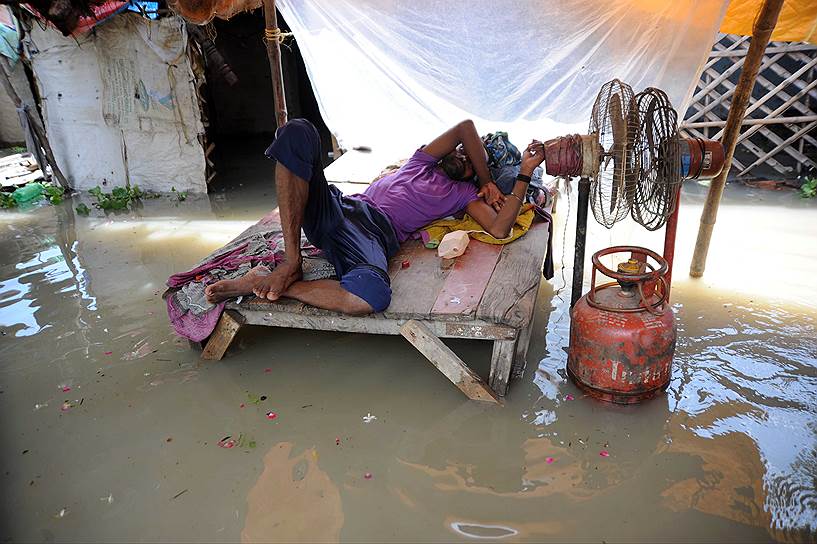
x,y
457,165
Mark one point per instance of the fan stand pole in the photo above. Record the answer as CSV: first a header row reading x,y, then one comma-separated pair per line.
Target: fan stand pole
x,y
581,240
272,40
669,239
761,34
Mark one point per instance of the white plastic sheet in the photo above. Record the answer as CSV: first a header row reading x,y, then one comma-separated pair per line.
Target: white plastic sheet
x,y
391,74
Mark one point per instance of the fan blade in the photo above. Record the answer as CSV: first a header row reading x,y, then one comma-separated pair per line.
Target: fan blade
x,y
619,145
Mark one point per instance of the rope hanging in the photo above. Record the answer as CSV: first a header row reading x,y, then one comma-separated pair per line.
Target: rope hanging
x,y
275,35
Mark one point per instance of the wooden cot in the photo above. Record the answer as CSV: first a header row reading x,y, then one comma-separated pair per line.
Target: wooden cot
x,y
489,293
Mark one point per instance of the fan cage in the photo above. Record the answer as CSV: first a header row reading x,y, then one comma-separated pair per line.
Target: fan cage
x,y
640,166
615,127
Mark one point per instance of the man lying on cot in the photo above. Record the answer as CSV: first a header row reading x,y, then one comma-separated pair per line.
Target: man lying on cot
x,y
359,233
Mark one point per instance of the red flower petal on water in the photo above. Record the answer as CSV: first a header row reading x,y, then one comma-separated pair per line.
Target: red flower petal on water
x,y
271,415
549,460
604,453
227,442
368,475
108,353
568,397
241,405
267,370
65,388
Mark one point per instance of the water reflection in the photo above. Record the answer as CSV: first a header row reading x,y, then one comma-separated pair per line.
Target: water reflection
x,y
731,449
745,401
294,500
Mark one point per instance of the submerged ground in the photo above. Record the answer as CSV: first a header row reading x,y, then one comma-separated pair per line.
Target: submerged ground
x,y
728,454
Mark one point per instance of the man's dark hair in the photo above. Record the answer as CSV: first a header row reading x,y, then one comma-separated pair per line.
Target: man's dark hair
x,y
453,167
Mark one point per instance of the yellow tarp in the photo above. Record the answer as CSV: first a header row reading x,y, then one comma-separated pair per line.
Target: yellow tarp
x,y
797,21
435,231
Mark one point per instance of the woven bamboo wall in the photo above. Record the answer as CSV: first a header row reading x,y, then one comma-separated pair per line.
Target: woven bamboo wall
x,y
779,135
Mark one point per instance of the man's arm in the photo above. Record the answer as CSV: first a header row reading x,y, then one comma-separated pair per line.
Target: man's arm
x,y
498,224
465,133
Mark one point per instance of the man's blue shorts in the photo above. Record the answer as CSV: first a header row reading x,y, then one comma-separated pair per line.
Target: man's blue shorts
x,y
356,238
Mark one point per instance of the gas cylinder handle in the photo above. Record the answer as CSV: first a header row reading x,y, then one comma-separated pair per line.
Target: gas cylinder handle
x,y
658,307
654,274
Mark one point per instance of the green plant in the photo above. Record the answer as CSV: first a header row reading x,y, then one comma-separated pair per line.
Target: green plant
x,y
117,199
180,196
53,193
7,201
82,209
809,188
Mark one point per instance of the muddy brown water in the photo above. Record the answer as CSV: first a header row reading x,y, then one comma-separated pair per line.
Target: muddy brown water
x,y
729,453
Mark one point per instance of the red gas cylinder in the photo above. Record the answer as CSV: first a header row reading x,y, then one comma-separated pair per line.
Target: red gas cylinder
x,y
622,334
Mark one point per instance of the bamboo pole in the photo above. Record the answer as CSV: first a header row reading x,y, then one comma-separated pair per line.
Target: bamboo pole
x,y
272,37
761,33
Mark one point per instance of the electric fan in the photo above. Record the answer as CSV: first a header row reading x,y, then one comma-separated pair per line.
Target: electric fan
x,y
631,162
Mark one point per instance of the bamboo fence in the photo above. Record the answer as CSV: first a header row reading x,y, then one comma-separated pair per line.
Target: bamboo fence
x,y
779,134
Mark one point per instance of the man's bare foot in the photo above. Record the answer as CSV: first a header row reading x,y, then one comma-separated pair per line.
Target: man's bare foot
x,y
224,289
271,287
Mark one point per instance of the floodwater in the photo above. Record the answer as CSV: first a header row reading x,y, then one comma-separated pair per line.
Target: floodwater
x,y
110,424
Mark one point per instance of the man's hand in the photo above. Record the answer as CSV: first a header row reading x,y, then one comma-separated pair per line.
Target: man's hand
x,y
532,157
492,195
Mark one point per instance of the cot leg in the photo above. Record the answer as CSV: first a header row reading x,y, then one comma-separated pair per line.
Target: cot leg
x,y
447,362
524,334
501,364
520,359
220,340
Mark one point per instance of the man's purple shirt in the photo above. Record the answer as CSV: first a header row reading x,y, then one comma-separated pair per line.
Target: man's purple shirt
x,y
417,194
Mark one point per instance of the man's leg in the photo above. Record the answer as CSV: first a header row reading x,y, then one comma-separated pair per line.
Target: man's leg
x,y
329,295
224,289
293,193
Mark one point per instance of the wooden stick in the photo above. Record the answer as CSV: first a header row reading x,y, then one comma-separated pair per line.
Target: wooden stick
x,y
761,33
780,109
274,54
448,363
780,146
805,117
746,122
774,49
34,121
731,88
226,329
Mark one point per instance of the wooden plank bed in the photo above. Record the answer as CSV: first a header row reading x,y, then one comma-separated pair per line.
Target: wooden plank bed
x,y
488,293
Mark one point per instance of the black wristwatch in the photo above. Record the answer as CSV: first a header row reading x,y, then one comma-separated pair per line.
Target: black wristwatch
x,y
523,177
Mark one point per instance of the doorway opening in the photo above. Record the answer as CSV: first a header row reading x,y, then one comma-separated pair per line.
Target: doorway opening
x,y
241,117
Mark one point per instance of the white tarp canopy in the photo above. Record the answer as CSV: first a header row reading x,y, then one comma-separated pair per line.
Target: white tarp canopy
x,y
120,105
391,74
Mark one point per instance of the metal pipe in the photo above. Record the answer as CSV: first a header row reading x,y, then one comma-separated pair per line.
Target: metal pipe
x,y
761,33
274,54
581,240
669,239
